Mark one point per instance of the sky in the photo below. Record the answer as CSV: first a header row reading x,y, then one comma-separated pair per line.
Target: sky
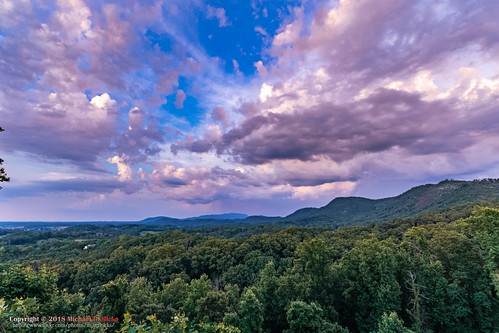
x,y
121,110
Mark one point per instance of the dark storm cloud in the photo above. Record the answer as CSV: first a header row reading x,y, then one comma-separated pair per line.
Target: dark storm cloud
x,y
386,119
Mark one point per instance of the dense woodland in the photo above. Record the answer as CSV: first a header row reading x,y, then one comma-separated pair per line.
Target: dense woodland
x,y
435,272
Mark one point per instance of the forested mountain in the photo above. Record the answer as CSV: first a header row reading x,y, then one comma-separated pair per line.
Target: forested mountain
x,y
165,219
418,200
227,216
350,211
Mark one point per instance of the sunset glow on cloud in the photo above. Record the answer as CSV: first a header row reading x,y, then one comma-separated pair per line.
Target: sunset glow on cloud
x,y
130,109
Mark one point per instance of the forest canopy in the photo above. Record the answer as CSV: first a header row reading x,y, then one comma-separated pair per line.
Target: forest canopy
x,y
414,275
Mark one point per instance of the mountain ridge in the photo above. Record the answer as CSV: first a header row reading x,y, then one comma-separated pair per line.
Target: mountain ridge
x,y
343,211
355,210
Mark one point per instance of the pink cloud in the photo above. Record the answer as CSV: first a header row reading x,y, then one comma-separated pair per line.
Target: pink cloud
x,y
219,14
179,99
219,115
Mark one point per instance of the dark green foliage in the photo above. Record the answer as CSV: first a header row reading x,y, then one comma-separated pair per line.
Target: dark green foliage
x,y
25,292
171,297
178,324
113,296
198,289
301,213
251,312
484,225
434,272
314,266
273,305
24,282
469,288
390,323
304,317
369,275
139,299
309,317
333,328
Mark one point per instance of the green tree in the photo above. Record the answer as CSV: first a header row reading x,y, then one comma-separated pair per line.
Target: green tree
x,y
328,327
251,312
113,296
314,266
198,290
213,305
424,281
25,292
172,296
304,317
369,273
275,316
3,175
471,303
484,224
20,281
18,307
139,299
391,323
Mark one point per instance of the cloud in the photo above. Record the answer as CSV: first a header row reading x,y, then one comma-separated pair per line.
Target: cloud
x,y
235,64
73,18
37,188
64,126
195,184
364,92
219,14
103,101
384,120
380,42
261,31
56,98
348,92
219,115
179,99
139,140
260,67
125,172
324,190
203,184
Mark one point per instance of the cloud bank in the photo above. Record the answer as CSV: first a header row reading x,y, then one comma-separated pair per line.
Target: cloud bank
x,y
155,99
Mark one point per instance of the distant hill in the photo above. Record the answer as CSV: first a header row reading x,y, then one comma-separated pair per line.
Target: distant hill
x,y
227,216
418,200
159,219
261,219
209,220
